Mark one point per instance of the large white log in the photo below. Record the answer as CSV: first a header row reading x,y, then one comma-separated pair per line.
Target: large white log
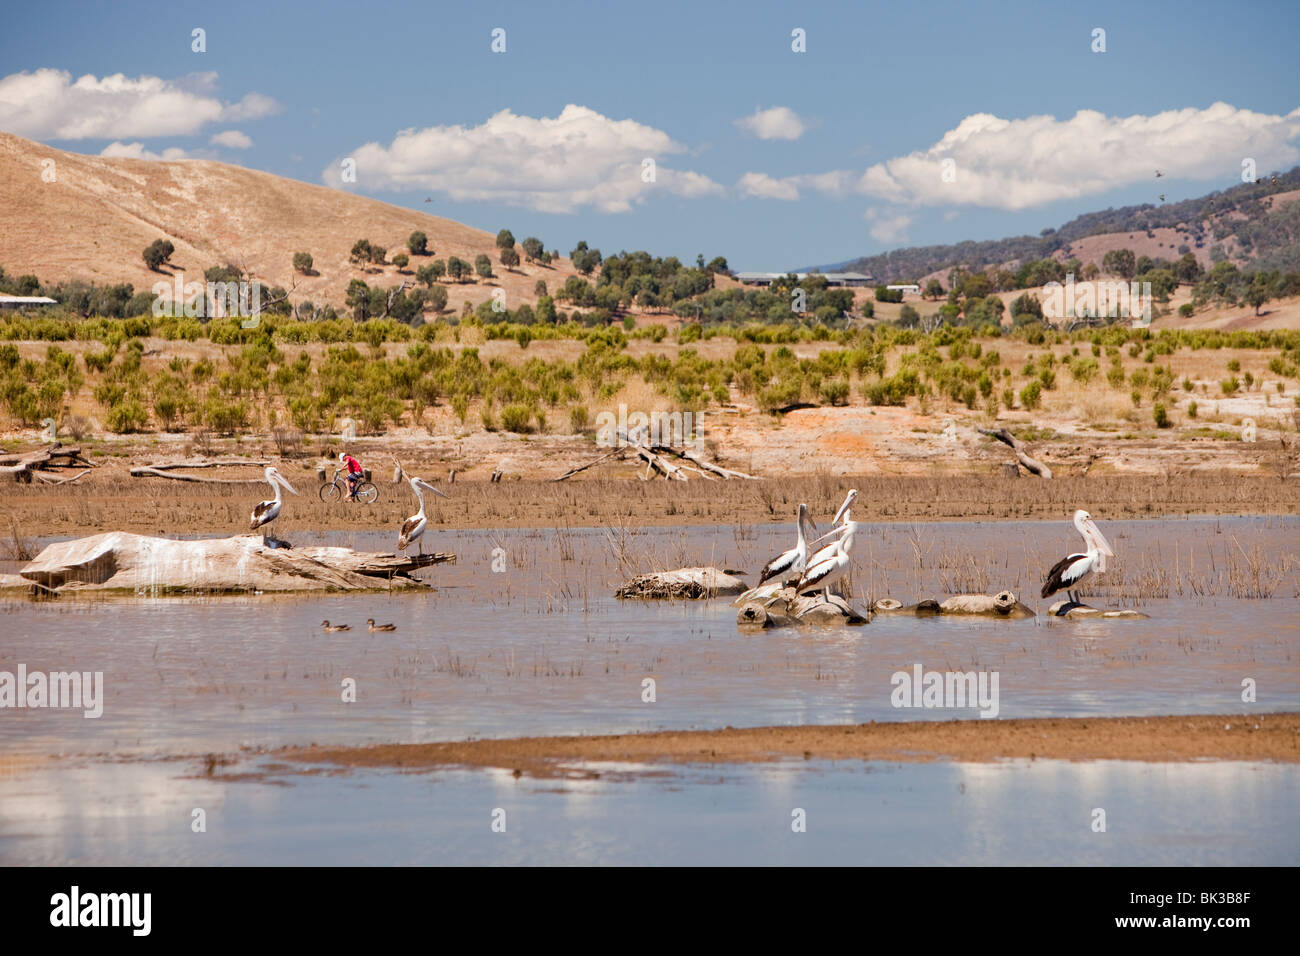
x,y
117,560
682,583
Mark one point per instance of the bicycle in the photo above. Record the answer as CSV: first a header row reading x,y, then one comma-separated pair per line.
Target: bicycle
x,y
337,489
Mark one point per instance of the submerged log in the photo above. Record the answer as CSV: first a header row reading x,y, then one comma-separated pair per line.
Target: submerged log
x,y
1003,604
118,560
690,583
1074,612
785,608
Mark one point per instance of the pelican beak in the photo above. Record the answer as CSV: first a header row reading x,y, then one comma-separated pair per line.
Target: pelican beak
x,y
284,481
848,503
1102,545
434,488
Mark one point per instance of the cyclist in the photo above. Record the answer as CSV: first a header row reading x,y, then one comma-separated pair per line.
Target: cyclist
x,y
354,475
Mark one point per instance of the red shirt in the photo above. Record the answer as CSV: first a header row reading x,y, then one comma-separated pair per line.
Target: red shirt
x,y
354,466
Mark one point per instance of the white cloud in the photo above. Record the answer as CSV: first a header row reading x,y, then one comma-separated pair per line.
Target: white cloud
x,y
232,138
116,150
49,104
763,186
552,164
779,122
887,227
1019,164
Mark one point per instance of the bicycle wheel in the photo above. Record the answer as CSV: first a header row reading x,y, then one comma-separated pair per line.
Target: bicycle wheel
x,y
367,493
330,492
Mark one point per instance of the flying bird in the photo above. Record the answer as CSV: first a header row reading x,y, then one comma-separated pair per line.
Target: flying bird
x,y
1159,174
268,511
414,526
1070,570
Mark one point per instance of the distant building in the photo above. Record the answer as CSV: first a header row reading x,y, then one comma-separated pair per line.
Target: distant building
x,y
914,289
25,301
850,280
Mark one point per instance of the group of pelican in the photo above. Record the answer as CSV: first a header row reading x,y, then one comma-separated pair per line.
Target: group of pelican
x,y
808,567
412,528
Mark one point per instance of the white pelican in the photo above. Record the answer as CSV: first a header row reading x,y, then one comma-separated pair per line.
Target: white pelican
x,y
829,564
370,622
1067,572
790,563
838,523
268,511
414,526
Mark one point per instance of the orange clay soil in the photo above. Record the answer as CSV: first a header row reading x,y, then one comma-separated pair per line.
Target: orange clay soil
x,y
1156,739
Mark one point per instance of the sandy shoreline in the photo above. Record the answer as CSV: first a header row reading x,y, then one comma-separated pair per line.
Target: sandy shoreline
x,y
1262,737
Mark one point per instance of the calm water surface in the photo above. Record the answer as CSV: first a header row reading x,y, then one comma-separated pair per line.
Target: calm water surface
x,y
542,648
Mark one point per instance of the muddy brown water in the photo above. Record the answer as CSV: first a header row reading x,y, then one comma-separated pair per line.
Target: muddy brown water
x,y
538,645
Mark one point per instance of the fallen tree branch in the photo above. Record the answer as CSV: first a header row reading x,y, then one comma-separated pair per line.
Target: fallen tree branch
x,y
1030,464
573,471
147,471
208,463
50,479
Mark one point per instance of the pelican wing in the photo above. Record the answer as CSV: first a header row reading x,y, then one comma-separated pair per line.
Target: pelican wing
x,y
412,528
1066,572
264,513
816,574
778,565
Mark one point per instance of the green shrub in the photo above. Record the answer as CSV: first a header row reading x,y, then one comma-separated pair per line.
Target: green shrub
x,y
516,418
1160,415
126,416
1031,396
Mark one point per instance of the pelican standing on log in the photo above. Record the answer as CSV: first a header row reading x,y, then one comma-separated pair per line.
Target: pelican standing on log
x,y
790,563
414,526
830,563
1067,572
268,511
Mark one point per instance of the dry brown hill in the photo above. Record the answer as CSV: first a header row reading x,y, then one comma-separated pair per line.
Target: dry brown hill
x,y
95,219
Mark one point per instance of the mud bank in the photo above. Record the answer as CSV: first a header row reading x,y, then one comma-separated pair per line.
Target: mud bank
x,y
1152,739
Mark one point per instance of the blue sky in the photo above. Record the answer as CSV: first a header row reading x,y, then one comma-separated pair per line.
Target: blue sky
x,y
878,88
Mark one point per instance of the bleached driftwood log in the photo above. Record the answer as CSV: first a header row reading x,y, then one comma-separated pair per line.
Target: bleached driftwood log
x,y
118,560
1003,604
785,608
656,461
1071,611
688,583
23,465
1031,465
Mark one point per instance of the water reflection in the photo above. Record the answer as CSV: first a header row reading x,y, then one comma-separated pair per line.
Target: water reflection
x,y
1012,813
